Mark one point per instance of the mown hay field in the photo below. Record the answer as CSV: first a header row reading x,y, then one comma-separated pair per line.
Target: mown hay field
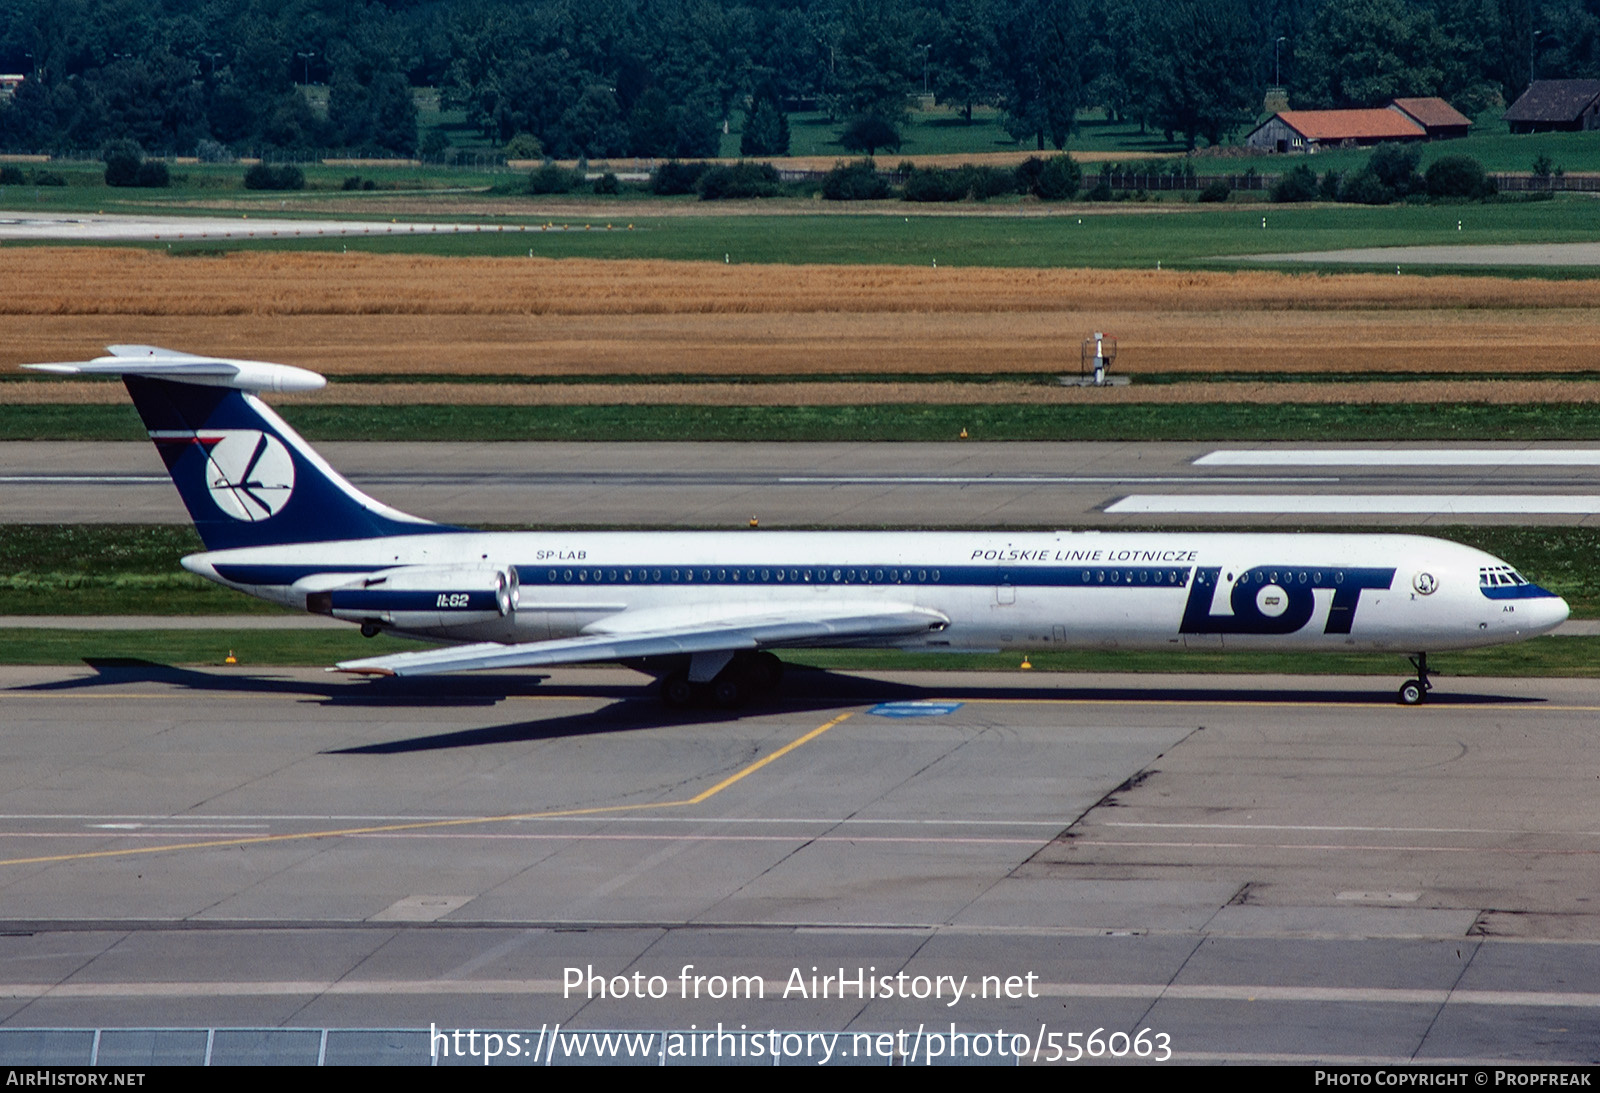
x,y
394,315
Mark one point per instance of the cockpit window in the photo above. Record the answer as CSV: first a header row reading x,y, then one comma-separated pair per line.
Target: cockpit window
x,y
1499,576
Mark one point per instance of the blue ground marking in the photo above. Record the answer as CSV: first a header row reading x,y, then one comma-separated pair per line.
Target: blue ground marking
x,y
914,709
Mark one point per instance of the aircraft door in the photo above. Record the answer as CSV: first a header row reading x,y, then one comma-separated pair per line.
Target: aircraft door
x,y
1005,592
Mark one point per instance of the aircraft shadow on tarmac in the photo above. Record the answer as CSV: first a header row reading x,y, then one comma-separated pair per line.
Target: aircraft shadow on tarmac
x,y
826,692
635,707
485,690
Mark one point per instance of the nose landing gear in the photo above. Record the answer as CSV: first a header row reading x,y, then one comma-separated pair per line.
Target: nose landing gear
x,y
1414,692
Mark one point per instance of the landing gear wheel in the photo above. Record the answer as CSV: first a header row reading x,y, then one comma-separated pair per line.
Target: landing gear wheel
x,y
370,629
1414,692
762,671
728,690
677,692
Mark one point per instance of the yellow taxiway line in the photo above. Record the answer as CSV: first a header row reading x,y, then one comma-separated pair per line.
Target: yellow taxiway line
x,y
420,825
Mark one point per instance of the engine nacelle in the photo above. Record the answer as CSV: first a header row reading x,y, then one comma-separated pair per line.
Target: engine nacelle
x,y
423,597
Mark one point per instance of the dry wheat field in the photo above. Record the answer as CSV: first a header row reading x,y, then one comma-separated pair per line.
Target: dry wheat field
x,y
396,315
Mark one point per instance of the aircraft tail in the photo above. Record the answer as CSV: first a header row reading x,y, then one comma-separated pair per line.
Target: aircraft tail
x,y
247,478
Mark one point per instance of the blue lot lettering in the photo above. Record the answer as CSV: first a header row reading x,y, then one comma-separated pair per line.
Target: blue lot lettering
x,y
1297,586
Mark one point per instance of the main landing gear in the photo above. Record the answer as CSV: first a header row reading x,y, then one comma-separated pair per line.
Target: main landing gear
x,y
745,675
1414,692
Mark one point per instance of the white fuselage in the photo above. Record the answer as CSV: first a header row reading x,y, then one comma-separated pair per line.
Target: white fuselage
x,y
1033,590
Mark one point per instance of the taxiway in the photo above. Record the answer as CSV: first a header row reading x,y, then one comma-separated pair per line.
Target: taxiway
x,y
1266,869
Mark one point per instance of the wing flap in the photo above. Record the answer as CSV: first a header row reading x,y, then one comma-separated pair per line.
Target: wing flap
x,y
776,631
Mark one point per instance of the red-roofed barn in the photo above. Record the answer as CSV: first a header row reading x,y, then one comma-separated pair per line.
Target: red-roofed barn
x,y
1308,130
1438,117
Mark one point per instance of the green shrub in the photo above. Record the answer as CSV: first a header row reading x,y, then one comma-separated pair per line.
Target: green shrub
x,y
855,181
1395,166
552,178
1365,188
987,182
673,177
1214,192
524,146
608,183
1026,174
152,174
1059,179
1299,184
742,179
211,151
933,184
11,176
1458,176
122,159
264,176
49,178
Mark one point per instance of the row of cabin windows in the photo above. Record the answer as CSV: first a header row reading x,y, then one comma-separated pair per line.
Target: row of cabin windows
x,y
1284,577
843,575
689,575
1131,576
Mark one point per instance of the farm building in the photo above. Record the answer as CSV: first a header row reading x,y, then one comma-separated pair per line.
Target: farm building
x,y
1439,118
9,82
1309,130
1566,106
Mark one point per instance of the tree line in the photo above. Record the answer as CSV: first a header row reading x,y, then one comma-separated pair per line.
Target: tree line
x,y
663,78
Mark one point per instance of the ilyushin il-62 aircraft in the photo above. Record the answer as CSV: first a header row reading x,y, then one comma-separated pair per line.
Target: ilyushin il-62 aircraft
x,y
705,611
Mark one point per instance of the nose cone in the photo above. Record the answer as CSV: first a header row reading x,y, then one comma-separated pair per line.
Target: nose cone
x,y
1547,614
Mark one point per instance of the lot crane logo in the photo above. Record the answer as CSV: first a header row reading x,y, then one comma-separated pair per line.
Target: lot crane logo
x,y
1277,599
250,473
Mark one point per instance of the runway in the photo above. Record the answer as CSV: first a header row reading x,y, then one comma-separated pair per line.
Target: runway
x,y
104,227
865,485
1261,869
1470,254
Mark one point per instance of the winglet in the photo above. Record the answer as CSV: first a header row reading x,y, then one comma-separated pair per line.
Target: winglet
x,y
169,364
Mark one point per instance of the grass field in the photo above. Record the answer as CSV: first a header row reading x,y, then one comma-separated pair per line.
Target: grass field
x,y
943,131
1231,421
900,233
250,648
1549,656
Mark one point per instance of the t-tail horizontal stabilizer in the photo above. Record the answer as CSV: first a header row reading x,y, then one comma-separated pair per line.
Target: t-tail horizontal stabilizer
x,y
247,478
153,362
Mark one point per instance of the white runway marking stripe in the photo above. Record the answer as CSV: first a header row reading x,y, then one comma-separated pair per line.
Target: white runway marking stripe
x,y
1025,480
81,479
1401,457
1407,503
773,988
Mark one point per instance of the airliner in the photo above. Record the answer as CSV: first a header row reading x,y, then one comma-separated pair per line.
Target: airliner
x,y
705,612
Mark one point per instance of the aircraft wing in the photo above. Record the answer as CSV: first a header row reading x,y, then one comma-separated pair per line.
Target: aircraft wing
x,y
778,627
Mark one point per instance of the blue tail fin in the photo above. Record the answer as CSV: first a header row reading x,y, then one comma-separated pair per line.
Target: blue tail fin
x,y
247,478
